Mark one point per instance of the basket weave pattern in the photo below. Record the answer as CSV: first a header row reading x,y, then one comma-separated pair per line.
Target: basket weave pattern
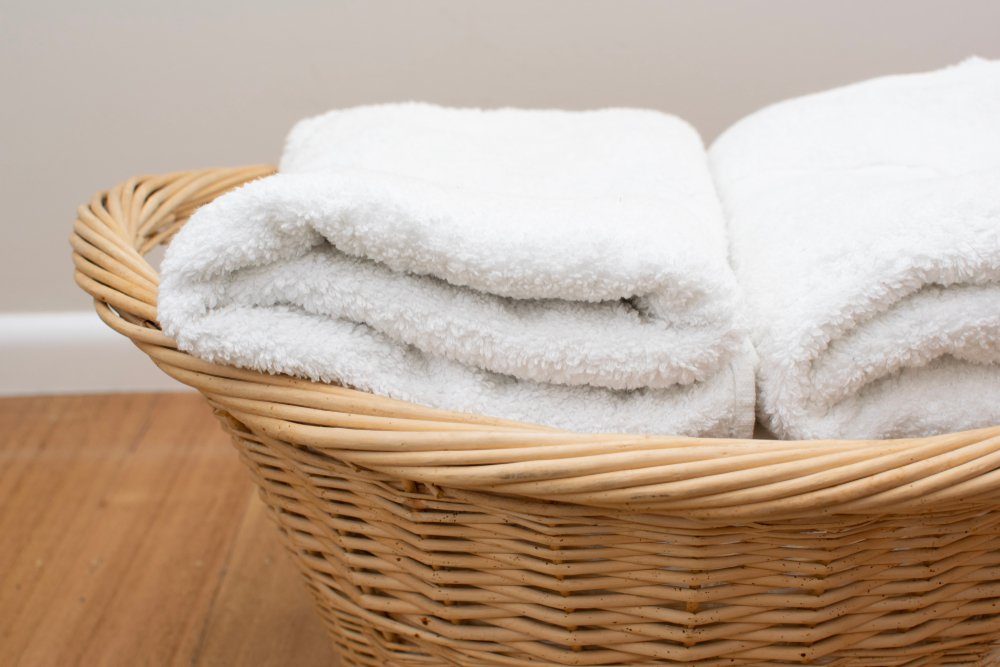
x,y
434,538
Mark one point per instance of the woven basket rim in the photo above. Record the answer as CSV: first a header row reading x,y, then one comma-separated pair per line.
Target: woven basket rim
x,y
702,478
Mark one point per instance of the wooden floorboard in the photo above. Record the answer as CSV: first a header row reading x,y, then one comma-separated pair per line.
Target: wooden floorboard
x,y
130,534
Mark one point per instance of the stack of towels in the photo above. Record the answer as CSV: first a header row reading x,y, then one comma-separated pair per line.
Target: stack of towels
x,y
864,224
561,268
573,268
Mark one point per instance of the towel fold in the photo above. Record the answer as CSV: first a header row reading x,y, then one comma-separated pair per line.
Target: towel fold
x,y
563,268
865,232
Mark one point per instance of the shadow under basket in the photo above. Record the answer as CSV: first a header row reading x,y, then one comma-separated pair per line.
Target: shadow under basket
x,y
434,538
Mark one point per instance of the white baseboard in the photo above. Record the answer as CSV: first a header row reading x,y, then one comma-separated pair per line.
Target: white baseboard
x,y
72,353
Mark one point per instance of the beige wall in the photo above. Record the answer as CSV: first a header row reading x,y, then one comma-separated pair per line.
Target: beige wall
x,y
94,92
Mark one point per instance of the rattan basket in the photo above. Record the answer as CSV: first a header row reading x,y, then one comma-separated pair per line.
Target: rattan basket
x,y
436,538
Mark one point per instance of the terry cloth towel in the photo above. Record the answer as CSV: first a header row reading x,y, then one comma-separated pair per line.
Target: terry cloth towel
x,y
562,268
865,232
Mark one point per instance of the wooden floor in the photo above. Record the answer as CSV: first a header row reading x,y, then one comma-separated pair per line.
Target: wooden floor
x,y
130,535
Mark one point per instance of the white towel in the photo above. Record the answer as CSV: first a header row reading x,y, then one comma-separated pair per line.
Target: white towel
x,y
564,268
865,232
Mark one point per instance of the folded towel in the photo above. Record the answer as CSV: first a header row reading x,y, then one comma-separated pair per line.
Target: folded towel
x,y
865,232
564,268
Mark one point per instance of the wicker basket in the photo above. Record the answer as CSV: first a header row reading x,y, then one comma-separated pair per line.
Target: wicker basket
x,y
433,538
